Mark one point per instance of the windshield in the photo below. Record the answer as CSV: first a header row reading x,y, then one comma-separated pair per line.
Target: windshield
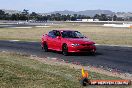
x,y
72,34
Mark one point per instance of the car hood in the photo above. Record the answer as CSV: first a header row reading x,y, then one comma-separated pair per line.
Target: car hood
x,y
80,40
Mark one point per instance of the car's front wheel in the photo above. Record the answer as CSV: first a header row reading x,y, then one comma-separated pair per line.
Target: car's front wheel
x,y
65,50
93,52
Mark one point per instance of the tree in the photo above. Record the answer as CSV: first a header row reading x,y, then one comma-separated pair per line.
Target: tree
x,y
13,17
114,18
2,14
57,16
7,16
97,16
103,17
63,17
73,18
52,17
33,16
68,17
25,14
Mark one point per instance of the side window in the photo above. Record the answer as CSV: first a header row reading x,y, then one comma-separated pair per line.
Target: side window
x,y
54,34
51,34
57,33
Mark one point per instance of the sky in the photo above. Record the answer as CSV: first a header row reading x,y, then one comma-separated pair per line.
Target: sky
x,y
44,6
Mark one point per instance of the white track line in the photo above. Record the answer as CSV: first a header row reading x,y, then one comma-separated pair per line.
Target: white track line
x,y
14,40
21,27
42,26
113,45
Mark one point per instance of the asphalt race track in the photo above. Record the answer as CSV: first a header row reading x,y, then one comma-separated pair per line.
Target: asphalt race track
x,y
114,57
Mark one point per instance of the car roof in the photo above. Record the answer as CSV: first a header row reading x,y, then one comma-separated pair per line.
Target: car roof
x,y
63,30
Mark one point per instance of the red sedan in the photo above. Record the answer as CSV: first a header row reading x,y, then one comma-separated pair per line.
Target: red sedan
x,y
67,41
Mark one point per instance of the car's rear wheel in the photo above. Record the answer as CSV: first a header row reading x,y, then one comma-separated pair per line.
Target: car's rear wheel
x,y
45,47
65,50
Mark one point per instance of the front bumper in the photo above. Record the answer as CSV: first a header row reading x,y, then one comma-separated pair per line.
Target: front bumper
x,y
90,48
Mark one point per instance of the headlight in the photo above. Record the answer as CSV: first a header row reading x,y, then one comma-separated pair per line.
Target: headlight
x,y
75,44
93,44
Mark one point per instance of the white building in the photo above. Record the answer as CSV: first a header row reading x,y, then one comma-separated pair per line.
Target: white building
x,y
89,20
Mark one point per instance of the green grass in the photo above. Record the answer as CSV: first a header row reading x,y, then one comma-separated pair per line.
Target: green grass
x,y
19,71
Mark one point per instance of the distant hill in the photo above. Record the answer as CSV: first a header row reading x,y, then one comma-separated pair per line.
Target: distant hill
x,y
90,13
11,11
65,12
86,12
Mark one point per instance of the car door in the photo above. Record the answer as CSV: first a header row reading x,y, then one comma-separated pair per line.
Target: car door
x,y
50,40
57,41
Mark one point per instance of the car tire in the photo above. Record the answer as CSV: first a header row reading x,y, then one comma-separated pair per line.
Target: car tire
x,y
45,47
65,50
93,53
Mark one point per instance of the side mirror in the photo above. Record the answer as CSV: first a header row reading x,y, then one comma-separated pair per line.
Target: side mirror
x,y
58,37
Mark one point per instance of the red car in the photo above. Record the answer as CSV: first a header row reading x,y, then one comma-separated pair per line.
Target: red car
x,y
67,41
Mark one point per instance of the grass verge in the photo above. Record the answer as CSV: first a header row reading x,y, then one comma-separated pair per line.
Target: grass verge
x,y
20,71
99,34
